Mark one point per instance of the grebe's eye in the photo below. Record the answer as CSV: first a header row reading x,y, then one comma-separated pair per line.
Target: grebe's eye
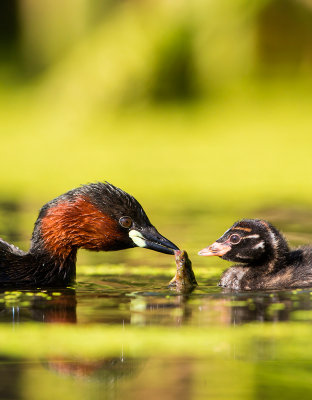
x,y
125,222
235,239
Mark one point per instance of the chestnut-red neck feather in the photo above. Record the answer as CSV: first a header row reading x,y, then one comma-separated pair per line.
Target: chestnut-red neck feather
x,y
75,224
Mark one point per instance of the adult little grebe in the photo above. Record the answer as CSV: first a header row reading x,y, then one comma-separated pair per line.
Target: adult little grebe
x,y
266,262
96,217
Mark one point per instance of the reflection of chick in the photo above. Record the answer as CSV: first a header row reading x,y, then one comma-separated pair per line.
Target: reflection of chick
x,y
98,217
266,262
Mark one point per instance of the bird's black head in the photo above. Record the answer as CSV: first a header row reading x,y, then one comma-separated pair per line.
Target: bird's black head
x,y
98,217
251,241
131,220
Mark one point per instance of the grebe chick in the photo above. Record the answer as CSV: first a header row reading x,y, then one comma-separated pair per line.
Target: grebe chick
x,y
265,260
97,217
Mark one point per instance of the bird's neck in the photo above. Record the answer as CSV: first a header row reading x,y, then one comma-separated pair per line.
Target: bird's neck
x,y
46,270
279,253
60,230
78,223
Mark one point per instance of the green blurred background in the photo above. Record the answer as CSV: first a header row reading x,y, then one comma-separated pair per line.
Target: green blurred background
x,y
201,110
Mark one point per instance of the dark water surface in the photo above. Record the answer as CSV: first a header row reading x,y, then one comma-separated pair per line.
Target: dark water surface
x,y
121,333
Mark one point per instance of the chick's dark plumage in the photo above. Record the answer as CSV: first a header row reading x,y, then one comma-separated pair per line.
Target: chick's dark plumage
x,y
264,257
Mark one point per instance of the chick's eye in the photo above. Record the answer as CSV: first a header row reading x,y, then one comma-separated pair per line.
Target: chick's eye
x,y
125,222
234,239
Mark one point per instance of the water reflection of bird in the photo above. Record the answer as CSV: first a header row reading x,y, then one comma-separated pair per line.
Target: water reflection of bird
x,y
41,306
107,371
98,217
266,262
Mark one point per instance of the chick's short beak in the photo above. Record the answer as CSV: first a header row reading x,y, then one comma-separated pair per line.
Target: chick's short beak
x,y
151,239
215,249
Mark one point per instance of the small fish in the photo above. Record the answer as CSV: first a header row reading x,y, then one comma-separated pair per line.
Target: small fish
x,y
184,279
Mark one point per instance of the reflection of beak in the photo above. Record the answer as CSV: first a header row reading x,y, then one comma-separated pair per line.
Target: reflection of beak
x,y
151,239
215,249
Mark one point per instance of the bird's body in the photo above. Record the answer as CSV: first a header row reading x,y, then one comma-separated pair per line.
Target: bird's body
x,y
265,260
296,272
98,217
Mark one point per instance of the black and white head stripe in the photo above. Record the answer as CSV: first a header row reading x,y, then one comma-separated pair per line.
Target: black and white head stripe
x,y
251,241
269,239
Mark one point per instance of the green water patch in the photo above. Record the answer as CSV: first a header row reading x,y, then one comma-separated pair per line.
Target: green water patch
x,y
249,342
144,270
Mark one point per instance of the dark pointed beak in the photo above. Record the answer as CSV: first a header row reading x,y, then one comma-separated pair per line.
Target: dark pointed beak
x,y
155,241
149,238
215,249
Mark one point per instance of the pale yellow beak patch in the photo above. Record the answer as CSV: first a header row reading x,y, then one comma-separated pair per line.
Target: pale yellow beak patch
x,y
137,238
